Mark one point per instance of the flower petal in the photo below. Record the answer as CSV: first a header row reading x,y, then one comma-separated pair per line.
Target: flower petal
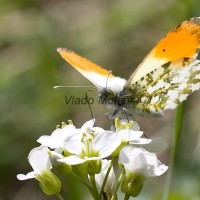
x,y
136,126
106,143
129,135
57,137
161,169
137,160
22,177
98,130
72,160
73,144
141,142
99,178
89,124
39,159
92,158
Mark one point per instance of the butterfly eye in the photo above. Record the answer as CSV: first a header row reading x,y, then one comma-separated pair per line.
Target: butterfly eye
x,y
110,94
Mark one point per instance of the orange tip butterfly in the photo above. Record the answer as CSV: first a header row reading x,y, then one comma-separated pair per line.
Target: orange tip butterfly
x,y
168,74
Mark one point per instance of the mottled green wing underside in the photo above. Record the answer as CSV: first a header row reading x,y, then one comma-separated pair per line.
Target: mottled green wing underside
x,y
165,87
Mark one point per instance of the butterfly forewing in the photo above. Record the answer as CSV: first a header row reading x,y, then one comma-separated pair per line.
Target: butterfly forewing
x,y
182,42
100,77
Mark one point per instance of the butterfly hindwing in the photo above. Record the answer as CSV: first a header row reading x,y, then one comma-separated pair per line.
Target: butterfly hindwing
x,y
165,87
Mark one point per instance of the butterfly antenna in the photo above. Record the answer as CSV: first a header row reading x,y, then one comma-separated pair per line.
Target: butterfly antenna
x,y
109,116
145,135
88,103
109,73
125,113
71,86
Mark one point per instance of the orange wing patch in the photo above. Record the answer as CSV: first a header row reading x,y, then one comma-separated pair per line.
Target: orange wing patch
x,y
181,42
179,45
81,63
99,76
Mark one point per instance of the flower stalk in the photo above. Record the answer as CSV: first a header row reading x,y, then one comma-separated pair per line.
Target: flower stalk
x,y
59,197
106,177
176,141
95,191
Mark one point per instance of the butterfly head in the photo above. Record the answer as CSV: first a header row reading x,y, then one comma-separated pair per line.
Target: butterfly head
x,y
107,96
113,99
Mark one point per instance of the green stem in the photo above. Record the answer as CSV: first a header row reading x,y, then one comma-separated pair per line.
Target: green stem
x,y
107,174
95,192
118,184
126,197
176,139
59,196
92,192
81,180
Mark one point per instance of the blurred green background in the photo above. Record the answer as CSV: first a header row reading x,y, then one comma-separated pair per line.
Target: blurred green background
x,y
116,34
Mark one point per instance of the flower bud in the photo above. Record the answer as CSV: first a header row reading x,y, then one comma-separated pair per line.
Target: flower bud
x,y
49,183
132,184
91,167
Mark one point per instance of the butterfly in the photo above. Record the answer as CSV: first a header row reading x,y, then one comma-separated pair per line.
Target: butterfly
x,y
165,78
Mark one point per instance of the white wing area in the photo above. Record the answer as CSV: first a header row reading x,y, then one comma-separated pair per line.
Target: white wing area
x,y
149,64
110,82
185,81
167,90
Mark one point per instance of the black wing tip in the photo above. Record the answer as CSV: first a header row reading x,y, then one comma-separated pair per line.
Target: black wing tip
x,y
195,20
59,49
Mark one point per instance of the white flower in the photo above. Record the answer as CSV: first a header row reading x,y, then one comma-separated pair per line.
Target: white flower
x,y
99,178
90,143
40,162
87,126
56,139
132,137
129,132
138,160
139,165
89,147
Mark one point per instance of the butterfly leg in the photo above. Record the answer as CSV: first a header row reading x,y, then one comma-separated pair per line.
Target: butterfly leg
x,y
110,115
86,96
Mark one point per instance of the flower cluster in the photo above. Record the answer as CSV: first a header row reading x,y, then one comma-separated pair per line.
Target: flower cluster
x,y
103,160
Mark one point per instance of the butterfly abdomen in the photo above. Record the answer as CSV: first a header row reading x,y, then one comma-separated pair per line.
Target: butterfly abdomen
x,y
109,97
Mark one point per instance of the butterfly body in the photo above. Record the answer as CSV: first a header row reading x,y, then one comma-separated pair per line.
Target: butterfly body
x,y
117,102
168,74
